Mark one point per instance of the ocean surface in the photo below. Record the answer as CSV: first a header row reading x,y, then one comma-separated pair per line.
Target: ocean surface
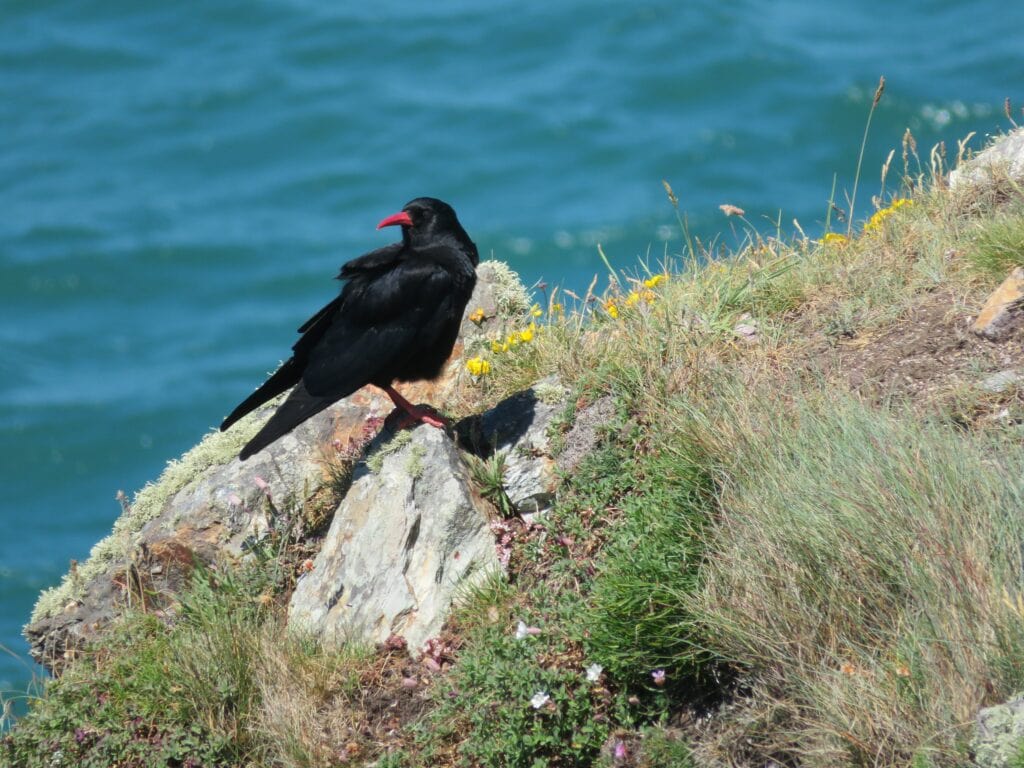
x,y
179,182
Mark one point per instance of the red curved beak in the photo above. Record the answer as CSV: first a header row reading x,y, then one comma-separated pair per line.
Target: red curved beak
x,y
398,218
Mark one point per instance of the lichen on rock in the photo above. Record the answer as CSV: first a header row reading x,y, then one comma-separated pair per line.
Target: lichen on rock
x,y
214,449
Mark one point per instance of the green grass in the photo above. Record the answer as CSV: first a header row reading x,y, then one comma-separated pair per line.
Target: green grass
x,y
518,703
153,695
635,616
998,246
484,714
660,748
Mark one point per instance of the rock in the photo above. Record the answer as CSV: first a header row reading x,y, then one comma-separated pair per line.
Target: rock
x,y
405,539
1002,314
1002,381
406,534
518,428
999,735
412,530
1004,156
746,332
209,507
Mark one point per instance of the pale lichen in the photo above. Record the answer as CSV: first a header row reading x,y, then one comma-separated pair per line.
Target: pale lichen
x,y
510,294
999,734
549,391
215,449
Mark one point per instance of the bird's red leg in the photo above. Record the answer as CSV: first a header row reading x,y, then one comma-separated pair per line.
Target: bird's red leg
x,y
416,414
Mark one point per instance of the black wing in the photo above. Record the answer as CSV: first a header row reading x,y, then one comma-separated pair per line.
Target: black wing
x,y
382,322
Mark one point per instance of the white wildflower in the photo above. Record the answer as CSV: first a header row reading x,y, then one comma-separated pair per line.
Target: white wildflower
x,y
523,631
539,700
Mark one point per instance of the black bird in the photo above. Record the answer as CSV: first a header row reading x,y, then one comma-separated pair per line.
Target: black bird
x,y
396,319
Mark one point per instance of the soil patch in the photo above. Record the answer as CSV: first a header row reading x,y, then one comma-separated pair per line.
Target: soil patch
x,y
927,355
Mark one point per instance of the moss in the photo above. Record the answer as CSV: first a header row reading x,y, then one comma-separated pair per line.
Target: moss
x,y
414,461
375,461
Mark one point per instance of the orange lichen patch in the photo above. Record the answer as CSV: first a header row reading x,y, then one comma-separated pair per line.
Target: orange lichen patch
x,y
1002,310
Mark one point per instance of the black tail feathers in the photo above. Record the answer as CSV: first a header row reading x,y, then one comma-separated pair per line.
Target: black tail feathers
x,y
284,378
299,406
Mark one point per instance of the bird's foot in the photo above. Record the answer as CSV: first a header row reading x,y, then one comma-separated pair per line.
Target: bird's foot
x,y
401,418
411,415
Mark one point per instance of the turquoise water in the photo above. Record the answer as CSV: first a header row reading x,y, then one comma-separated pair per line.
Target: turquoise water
x,y
179,182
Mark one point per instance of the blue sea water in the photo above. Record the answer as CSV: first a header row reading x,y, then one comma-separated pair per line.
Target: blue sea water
x,y
180,181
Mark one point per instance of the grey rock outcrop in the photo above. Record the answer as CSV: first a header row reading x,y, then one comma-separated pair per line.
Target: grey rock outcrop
x,y
208,507
408,530
408,536
1004,157
999,735
1002,315
517,429
412,531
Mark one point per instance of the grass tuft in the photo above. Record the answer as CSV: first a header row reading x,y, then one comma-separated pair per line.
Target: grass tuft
x,y
858,572
998,246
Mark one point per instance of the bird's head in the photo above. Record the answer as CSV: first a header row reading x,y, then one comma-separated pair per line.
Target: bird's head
x,y
427,220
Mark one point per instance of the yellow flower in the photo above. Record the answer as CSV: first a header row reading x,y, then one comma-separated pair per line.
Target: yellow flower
x,y
649,296
652,281
478,316
536,311
875,222
557,309
477,366
632,299
496,346
834,237
526,335
512,340
611,309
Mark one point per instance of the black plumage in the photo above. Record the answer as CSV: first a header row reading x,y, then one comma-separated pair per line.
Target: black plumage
x,y
396,319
